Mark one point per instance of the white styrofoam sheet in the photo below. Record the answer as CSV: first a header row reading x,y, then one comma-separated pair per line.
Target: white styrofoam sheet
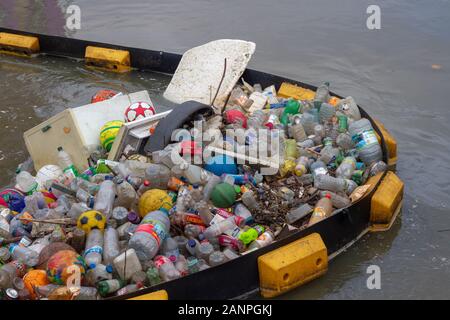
x,y
201,68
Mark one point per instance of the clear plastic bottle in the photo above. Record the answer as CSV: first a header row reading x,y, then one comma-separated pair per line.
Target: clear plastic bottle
x,y
322,210
349,107
220,227
346,168
158,175
169,248
195,174
216,258
26,182
212,182
181,243
78,240
308,122
111,248
145,186
326,182
318,168
191,246
326,112
378,167
339,201
66,163
152,230
99,273
366,141
104,200
85,197
241,210
204,212
204,250
257,119
182,265
120,214
301,167
166,268
192,230
263,240
77,209
322,93
129,289
107,287
249,200
94,248
344,141
126,195
24,255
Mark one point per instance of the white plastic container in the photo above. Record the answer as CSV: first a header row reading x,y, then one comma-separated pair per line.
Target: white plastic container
x,y
133,265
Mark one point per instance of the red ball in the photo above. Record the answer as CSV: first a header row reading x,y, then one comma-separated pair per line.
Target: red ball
x,y
103,95
139,110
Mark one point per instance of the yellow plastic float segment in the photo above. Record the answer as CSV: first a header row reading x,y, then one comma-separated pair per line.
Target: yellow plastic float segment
x,y
156,295
288,90
108,59
386,202
292,265
18,45
391,145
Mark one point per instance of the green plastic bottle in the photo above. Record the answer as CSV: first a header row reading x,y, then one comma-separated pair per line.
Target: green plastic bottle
x,y
107,287
292,107
153,276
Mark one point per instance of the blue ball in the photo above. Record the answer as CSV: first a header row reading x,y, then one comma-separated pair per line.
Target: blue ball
x,y
221,164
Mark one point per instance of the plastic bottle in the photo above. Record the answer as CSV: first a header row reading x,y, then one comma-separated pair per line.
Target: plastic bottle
x,y
322,94
263,240
26,182
120,214
94,248
129,289
127,264
241,210
166,268
169,248
126,195
216,258
344,141
220,227
99,273
349,107
153,276
182,265
292,107
104,200
257,119
318,168
191,246
322,210
145,186
339,201
9,271
181,243
66,163
326,112
77,209
192,230
24,255
204,250
85,197
5,255
332,129
308,122
378,167
212,182
346,168
158,175
147,238
326,182
194,174
249,200
204,212
107,287
224,214
366,141
111,247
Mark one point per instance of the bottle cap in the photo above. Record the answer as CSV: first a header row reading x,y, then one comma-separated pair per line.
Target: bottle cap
x,y
60,148
191,243
146,183
107,178
109,268
328,196
92,266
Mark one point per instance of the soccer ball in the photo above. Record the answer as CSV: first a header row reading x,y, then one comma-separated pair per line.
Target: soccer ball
x,y
139,110
90,220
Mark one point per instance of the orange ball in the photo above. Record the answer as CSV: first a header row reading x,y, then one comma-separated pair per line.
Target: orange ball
x,y
35,278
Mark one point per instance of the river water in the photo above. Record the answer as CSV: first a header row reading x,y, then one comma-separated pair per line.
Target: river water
x,y
400,74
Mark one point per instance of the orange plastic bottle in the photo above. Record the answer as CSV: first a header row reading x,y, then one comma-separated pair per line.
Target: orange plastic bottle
x,y
322,210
